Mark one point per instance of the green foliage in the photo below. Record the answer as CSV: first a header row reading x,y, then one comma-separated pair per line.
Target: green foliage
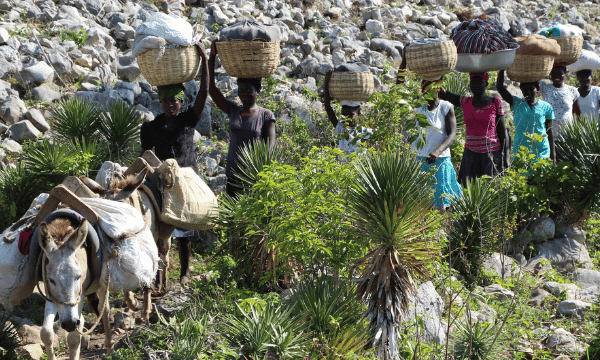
x,y
9,338
79,37
262,333
189,333
252,160
473,233
18,188
475,341
458,83
119,127
75,118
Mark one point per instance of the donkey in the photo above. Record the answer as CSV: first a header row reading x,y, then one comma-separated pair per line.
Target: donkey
x,y
68,274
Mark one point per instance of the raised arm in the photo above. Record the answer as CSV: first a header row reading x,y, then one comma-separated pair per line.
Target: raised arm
x,y
506,95
327,100
215,93
448,96
502,133
200,102
400,77
450,120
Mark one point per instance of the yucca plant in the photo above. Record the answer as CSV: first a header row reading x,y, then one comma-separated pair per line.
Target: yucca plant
x,y
271,332
92,151
476,341
18,188
189,333
9,337
119,127
476,214
252,158
391,205
47,159
75,118
579,144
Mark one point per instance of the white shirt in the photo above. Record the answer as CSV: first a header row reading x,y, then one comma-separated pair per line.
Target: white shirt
x,y
435,134
590,105
562,100
347,145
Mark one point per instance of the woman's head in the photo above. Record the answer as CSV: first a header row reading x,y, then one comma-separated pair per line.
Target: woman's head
x,y
558,74
350,109
248,90
584,77
171,98
530,90
479,82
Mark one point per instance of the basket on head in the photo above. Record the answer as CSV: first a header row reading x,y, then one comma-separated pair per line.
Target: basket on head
x,y
530,68
249,59
351,86
431,61
175,66
570,49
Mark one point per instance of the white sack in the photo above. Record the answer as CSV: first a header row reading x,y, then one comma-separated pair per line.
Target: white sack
x,y
116,218
174,30
107,172
588,60
144,43
17,271
136,263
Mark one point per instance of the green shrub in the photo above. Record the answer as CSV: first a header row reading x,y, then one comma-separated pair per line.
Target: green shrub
x,y
79,37
18,188
119,128
476,340
75,118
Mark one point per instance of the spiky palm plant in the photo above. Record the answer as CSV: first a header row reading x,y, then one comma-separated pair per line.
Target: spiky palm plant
x,y
252,158
579,143
75,118
18,188
391,205
119,127
475,341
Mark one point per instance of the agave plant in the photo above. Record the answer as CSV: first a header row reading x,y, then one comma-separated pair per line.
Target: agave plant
x,y
475,216
271,332
251,160
579,143
391,205
18,188
119,127
75,118
476,341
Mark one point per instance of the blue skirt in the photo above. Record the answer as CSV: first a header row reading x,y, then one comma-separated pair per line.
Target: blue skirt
x,y
446,188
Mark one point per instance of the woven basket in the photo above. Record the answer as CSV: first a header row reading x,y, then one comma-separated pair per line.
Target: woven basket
x,y
530,68
431,61
176,66
351,86
249,59
570,49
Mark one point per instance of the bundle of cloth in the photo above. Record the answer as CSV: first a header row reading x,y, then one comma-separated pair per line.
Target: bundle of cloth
x,y
535,44
162,31
250,31
351,66
561,30
588,60
481,37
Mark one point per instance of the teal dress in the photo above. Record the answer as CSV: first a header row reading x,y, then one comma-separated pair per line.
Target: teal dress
x,y
528,121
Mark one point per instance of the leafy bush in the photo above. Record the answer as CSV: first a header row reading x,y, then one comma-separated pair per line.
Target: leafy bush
x,y
75,118
18,188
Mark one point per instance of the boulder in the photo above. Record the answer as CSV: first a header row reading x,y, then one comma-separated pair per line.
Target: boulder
x,y
565,253
12,147
499,292
124,32
586,278
37,74
210,165
557,288
571,232
44,93
30,351
30,334
23,130
564,341
429,305
538,265
542,229
127,67
4,36
374,26
12,110
573,307
538,296
500,264
37,119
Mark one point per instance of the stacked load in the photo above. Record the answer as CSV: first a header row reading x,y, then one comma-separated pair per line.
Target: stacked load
x,y
165,50
431,58
588,60
570,39
351,82
482,46
249,50
534,59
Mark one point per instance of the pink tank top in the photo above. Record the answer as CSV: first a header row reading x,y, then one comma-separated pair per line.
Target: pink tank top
x,y
481,125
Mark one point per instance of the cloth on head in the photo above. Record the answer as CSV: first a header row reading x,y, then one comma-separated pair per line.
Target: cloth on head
x,y
352,66
177,92
481,37
350,103
485,76
250,31
536,44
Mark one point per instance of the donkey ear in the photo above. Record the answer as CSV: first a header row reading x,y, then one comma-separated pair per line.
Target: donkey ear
x,y
92,185
78,238
132,185
44,238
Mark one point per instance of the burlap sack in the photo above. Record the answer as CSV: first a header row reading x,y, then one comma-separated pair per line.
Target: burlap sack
x,y
537,45
187,201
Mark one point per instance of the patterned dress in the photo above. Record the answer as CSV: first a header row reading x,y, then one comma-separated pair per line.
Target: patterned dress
x,y
561,99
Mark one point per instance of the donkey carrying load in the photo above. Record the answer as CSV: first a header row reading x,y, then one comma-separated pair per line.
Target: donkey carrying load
x,y
101,245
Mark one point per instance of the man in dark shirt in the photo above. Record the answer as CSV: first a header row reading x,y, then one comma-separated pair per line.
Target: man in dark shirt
x,y
171,136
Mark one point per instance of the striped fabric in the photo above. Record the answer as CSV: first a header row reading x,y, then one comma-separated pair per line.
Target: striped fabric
x,y
481,37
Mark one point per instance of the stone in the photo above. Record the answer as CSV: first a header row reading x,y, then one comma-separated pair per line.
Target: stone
x,y
210,166
500,264
538,296
44,93
124,32
12,147
586,278
499,292
557,288
428,304
23,130
374,26
217,183
127,67
30,334
60,62
12,109
124,321
98,37
4,36
571,232
565,253
38,74
37,119
32,351
334,12
538,265
564,341
542,229
486,313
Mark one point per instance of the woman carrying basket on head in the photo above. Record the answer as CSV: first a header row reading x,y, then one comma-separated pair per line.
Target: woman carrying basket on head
x,y
247,122
562,97
589,96
171,135
487,142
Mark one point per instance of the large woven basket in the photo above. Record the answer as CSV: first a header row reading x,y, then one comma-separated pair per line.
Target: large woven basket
x,y
431,61
249,59
175,66
530,68
570,49
351,86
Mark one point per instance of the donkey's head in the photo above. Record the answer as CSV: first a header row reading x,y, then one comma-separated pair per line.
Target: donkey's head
x,y
120,188
67,267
